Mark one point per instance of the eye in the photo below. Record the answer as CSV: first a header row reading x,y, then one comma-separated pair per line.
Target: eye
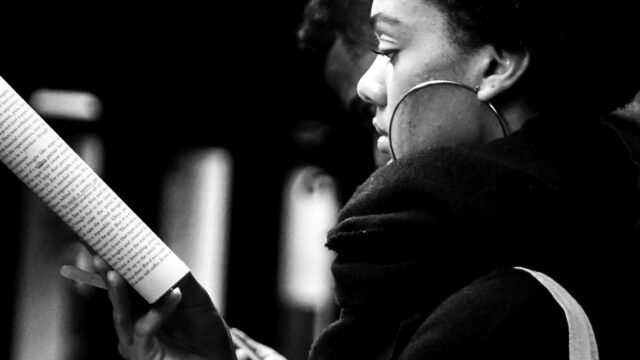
x,y
390,54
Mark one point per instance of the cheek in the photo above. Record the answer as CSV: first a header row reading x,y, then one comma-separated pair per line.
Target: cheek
x,y
437,115
401,77
417,134
428,119
411,136
413,69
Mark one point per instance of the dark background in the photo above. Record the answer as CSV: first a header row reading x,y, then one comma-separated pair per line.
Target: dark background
x,y
175,77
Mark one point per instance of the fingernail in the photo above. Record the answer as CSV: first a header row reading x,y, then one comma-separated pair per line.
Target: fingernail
x,y
111,276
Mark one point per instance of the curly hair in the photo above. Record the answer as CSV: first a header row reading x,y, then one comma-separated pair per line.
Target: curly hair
x,y
325,20
581,51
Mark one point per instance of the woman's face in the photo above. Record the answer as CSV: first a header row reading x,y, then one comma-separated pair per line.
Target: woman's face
x,y
415,46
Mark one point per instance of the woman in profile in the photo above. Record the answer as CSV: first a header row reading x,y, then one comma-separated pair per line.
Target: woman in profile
x,y
439,254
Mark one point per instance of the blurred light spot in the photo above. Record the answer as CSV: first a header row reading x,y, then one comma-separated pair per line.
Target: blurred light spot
x,y
311,133
310,210
195,216
66,104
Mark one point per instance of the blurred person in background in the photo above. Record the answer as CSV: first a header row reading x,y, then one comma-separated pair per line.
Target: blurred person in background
x,y
336,37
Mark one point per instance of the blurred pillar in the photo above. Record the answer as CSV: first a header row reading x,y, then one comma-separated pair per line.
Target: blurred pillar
x,y
44,313
305,283
195,216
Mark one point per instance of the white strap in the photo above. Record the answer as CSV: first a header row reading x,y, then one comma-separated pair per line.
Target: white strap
x,y
582,340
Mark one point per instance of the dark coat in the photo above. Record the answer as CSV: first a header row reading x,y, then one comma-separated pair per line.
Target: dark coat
x,y
425,249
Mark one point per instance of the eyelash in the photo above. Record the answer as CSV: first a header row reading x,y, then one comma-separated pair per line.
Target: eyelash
x,y
386,53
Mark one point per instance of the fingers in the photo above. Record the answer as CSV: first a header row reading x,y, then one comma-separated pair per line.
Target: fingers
x,y
122,318
267,353
150,323
194,293
101,267
243,354
144,335
262,351
82,277
118,296
119,300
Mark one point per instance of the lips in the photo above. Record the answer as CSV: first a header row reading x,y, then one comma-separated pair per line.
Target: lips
x,y
383,145
383,141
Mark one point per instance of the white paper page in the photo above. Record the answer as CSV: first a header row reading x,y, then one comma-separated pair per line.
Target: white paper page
x,y
47,165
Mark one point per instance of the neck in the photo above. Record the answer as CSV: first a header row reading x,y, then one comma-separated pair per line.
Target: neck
x,y
517,112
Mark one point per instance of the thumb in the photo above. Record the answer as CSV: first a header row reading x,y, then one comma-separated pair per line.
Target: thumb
x,y
149,324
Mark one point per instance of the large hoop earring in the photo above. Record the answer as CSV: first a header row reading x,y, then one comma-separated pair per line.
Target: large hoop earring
x,y
504,125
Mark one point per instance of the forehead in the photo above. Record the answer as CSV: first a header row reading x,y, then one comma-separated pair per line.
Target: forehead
x,y
411,13
397,8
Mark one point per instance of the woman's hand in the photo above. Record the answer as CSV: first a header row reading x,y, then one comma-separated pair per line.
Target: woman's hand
x,y
249,349
184,324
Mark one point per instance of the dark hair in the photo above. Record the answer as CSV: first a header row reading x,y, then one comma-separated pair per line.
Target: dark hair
x,y
325,20
581,51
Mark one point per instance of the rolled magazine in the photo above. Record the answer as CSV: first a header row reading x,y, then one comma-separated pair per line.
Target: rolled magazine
x,y
52,170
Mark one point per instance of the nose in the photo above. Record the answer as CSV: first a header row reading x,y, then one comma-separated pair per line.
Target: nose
x,y
372,87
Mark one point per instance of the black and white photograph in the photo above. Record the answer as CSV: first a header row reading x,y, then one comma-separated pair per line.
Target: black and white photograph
x,y
320,179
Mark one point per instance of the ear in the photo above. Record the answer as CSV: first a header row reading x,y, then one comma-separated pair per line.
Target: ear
x,y
500,71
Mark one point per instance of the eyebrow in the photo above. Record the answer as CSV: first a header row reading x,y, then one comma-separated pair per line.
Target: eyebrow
x,y
383,18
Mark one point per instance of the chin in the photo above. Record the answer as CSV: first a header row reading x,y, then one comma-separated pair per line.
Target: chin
x,y
381,158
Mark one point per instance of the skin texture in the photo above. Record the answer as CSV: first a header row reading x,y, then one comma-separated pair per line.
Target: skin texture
x,y
415,45
184,324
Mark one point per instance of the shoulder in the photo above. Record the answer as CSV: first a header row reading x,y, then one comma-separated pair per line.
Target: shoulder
x,y
506,314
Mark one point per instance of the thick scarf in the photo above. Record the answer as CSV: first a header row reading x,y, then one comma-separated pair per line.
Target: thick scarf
x,y
426,225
